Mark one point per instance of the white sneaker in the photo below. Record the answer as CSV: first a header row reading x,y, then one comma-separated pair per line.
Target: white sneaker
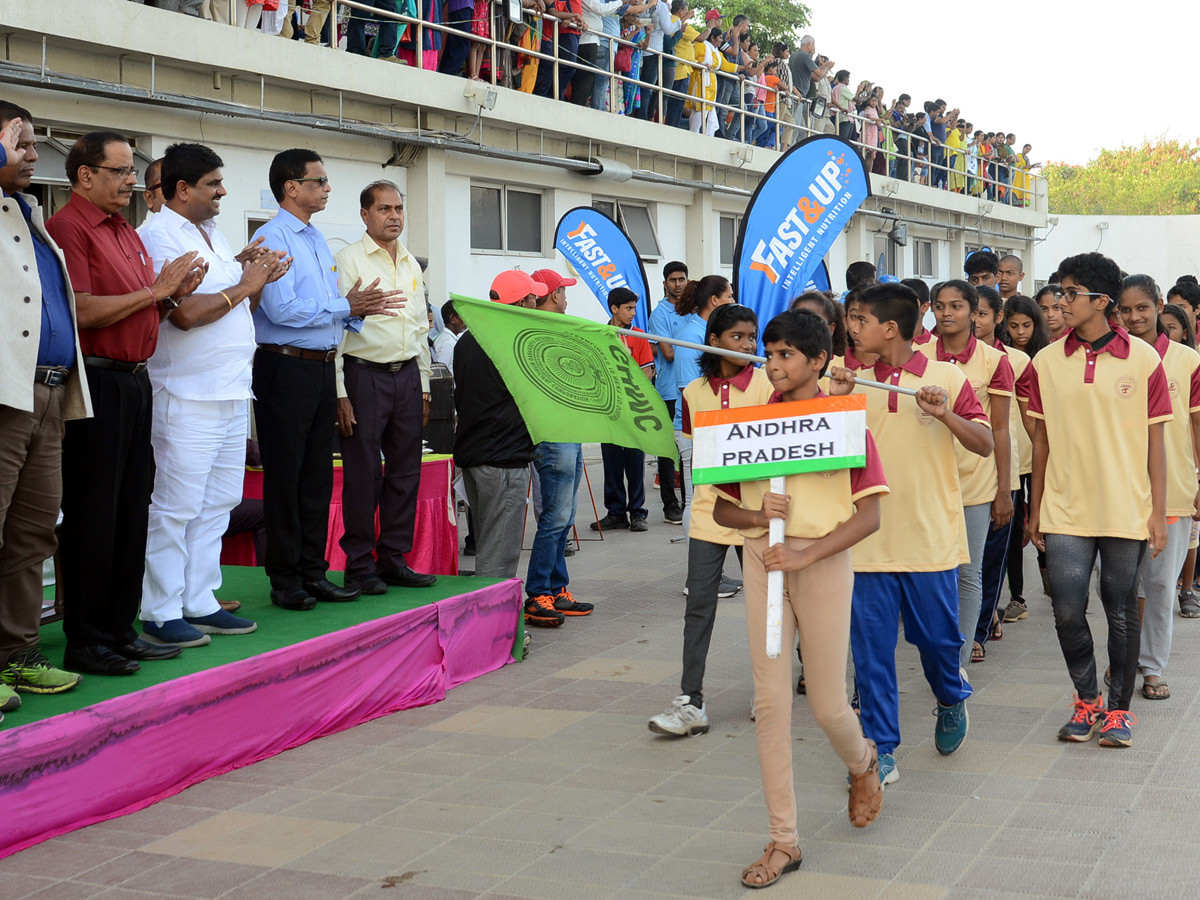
x,y
753,716
681,718
724,590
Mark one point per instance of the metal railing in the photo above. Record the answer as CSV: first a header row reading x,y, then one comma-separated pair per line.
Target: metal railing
x,y
994,179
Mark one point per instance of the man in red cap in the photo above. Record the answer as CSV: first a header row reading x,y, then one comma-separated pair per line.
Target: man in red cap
x,y
492,446
559,468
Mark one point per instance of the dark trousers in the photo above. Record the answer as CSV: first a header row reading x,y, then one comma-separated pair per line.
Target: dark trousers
x,y
623,465
248,516
108,476
649,74
673,106
1070,572
1016,540
30,497
666,473
995,564
388,408
568,53
583,79
706,561
356,31
457,49
295,406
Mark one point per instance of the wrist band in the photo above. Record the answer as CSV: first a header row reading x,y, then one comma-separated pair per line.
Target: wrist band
x,y
227,300
153,299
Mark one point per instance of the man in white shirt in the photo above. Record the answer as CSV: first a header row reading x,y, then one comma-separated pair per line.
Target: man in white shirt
x,y
443,344
200,375
383,401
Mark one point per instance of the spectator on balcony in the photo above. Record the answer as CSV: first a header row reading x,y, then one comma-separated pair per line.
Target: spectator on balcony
x,y
583,84
1021,178
821,94
956,160
664,32
1005,157
685,49
870,129
785,111
843,104
315,24
898,168
458,16
635,33
703,87
356,31
939,119
431,39
607,25
805,69
570,25
730,47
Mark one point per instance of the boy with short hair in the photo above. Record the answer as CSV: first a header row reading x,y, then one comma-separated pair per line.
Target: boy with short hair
x,y
909,567
1109,392
626,465
1009,276
982,267
664,320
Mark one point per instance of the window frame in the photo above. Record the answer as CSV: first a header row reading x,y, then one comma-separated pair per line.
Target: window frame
x,y
504,249
618,216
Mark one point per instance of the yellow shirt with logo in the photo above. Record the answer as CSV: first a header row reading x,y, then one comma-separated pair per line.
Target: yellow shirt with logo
x,y
1182,367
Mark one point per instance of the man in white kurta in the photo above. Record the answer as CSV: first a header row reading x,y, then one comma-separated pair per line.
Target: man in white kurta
x,y
200,375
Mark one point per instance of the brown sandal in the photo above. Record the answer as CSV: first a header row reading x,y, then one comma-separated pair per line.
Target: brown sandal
x,y
767,874
866,793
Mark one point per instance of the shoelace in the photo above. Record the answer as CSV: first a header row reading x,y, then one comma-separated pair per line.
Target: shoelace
x,y
1119,718
1085,712
544,601
948,716
567,595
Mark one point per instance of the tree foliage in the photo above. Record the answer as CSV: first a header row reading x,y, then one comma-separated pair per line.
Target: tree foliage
x,y
1158,178
770,20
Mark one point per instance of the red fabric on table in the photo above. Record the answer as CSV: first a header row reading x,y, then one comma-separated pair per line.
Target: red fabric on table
x,y
435,545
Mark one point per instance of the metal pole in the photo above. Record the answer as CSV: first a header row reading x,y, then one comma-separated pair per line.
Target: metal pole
x,y
419,51
557,92
333,27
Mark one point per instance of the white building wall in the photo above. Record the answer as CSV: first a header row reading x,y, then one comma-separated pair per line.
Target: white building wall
x,y
1163,247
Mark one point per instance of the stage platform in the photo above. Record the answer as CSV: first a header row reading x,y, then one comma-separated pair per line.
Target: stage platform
x,y
114,745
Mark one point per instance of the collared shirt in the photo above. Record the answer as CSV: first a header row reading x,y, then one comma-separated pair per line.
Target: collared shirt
x,y
664,320
1097,420
663,25
56,341
209,362
385,339
691,327
106,258
829,497
303,308
924,529
1181,364
443,349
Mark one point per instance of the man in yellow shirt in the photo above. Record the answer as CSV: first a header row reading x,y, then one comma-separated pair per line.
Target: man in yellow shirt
x,y
383,401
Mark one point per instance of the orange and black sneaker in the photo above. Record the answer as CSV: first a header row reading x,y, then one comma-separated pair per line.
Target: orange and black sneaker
x,y
539,610
1085,722
566,604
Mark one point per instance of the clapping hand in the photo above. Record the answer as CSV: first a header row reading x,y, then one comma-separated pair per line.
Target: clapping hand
x,y
371,301
10,136
251,250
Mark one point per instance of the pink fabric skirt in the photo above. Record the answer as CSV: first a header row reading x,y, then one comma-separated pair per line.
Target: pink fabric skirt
x,y
481,24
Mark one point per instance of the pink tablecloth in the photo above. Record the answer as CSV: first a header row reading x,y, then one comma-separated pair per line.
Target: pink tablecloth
x,y
435,545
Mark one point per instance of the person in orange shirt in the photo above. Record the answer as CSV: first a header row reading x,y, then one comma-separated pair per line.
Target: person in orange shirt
x,y
1141,310
909,567
832,512
1099,486
626,465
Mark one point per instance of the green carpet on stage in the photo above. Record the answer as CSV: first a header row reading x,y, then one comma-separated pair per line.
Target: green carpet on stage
x,y
276,628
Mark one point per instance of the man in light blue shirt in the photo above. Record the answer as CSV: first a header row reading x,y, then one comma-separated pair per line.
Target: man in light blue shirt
x,y
665,320
298,325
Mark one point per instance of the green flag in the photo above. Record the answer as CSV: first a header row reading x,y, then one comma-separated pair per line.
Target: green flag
x,y
573,380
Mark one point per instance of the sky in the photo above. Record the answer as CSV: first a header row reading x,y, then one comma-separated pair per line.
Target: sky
x,y
1071,78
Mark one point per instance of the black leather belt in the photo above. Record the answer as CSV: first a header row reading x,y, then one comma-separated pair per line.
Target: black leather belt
x,y
51,375
103,362
378,366
300,353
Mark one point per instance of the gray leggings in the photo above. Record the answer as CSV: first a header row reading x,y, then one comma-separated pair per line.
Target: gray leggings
x,y
1069,562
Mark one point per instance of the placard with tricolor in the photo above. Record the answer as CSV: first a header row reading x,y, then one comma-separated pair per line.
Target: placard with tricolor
x,y
753,443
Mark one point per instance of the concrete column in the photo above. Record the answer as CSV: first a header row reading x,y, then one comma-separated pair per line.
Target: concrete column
x,y
427,226
703,237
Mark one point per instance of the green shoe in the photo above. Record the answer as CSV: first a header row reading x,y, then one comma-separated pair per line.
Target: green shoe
x,y
29,672
8,699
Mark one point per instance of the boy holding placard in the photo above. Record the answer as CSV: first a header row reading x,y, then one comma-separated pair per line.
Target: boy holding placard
x,y
838,509
909,567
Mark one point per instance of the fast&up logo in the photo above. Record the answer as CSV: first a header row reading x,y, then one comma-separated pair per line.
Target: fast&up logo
x,y
772,257
583,241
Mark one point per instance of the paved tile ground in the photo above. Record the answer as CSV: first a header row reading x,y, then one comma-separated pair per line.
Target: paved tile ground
x,y
542,781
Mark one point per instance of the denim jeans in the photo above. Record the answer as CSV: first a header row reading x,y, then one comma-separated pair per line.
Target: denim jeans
x,y
673,106
649,74
559,469
970,579
356,31
600,87
1069,561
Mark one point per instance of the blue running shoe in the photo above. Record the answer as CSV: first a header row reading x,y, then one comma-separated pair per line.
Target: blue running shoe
x,y
1117,729
951,728
221,622
888,773
174,631
1085,721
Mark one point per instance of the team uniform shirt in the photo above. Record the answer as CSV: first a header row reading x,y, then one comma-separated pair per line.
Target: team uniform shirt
x,y
211,362
385,339
1023,445
923,529
923,339
749,387
990,375
639,348
664,320
691,327
106,258
821,501
1181,364
1096,410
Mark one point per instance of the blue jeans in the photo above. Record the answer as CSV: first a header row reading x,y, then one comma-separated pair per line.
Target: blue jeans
x,y
560,469
928,603
388,37
995,566
673,107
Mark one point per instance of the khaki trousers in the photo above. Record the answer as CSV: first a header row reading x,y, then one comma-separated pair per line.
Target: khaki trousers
x,y
30,495
816,602
316,22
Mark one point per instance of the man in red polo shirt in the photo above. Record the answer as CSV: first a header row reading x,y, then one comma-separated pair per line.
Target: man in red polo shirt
x,y
108,464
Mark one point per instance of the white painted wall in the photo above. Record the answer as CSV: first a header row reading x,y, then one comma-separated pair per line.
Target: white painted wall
x,y
1163,247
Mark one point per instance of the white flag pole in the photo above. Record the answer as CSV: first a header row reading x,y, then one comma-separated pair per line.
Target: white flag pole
x,y
775,583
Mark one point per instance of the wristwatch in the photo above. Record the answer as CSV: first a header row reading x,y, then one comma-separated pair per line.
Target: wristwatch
x,y
171,302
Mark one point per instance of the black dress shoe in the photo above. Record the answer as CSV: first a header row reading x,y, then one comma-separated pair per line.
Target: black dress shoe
x,y
406,577
329,592
96,659
143,649
611,522
296,598
366,584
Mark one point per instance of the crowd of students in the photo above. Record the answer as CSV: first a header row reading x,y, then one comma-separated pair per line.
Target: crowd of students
x,y
1018,463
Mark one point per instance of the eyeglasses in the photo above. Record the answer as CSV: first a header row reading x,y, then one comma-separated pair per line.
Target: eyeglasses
x,y
121,172
154,187
1070,294
322,180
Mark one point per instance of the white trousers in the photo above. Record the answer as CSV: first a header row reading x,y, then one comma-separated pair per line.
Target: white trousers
x,y
247,16
200,459
704,122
